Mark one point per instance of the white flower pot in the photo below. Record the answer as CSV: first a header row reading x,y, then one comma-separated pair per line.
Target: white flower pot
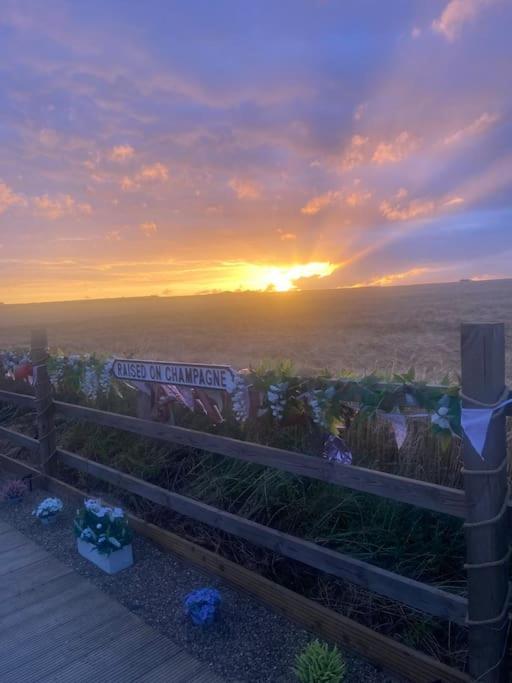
x,y
111,564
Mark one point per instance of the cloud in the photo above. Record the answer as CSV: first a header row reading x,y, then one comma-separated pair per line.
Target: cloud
x,y
287,236
122,153
150,173
476,127
396,150
414,209
113,236
397,210
357,198
456,14
316,204
154,172
393,278
244,189
9,198
355,153
60,205
149,228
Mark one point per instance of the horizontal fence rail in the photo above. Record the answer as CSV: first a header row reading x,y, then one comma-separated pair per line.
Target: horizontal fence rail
x,y
18,399
421,494
19,439
413,593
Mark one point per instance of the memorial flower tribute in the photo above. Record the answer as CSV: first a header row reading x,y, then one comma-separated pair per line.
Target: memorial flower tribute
x,y
103,535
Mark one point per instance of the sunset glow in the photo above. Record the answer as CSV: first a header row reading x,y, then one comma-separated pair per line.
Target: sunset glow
x,y
193,149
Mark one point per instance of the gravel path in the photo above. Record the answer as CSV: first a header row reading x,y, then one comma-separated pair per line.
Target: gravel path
x,y
248,643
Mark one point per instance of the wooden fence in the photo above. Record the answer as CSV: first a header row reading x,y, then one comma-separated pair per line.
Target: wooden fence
x,y
484,506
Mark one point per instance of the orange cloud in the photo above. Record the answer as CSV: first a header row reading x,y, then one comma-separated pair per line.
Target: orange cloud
x,y
122,153
286,236
149,228
396,150
152,173
357,198
113,236
414,209
244,189
316,204
9,198
476,127
158,172
456,14
392,278
61,205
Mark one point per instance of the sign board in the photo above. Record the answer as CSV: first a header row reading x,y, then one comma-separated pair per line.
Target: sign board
x,y
200,376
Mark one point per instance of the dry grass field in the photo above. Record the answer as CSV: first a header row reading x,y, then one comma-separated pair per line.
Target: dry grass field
x,y
388,329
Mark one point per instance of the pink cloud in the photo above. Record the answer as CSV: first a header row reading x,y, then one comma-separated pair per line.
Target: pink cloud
x,y
396,150
357,198
9,198
355,153
476,127
148,228
244,189
122,153
60,205
456,14
397,210
316,204
113,236
154,172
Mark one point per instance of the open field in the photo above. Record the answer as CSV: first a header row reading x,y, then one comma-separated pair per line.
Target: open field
x,y
388,329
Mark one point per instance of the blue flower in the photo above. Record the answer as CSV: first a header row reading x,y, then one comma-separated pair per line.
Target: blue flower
x,y
201,605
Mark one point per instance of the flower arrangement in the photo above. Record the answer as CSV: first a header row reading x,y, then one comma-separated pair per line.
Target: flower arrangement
x,y
14,490
317,663
103,527
48,509
201,605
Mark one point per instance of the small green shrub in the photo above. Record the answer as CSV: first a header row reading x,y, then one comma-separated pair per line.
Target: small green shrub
x,y
317,663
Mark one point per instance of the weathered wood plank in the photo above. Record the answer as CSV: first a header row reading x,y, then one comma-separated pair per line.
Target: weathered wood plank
x,y
19,439
11,539
72,616
18,399
20,556
41,593
421,494
36,611
135,649
30,576
413,593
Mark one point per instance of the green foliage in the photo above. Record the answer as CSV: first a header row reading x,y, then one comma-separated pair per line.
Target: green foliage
x,y
320,664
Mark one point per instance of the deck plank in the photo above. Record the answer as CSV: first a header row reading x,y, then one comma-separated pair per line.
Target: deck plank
x,y
55,626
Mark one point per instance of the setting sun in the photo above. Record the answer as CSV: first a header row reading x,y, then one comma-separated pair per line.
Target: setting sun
x,y
283,278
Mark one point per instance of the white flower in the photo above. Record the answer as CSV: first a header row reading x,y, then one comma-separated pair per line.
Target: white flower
x,y
442,411
48,507
113,541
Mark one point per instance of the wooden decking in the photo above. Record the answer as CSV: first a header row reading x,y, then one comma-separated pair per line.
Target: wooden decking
x,y
56,626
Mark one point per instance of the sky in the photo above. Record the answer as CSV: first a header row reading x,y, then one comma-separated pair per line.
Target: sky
x,y
172,147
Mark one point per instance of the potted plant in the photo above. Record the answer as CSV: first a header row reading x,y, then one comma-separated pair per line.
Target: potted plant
x,y
47,510
14,491
201,605
103,536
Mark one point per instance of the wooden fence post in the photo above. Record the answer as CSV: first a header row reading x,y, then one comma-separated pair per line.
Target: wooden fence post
x,y
485,484
45,410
